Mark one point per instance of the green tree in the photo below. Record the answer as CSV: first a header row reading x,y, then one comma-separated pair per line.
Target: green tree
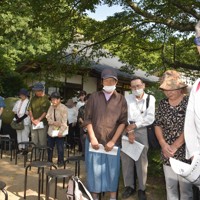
x,y
151,35
56,36
35,36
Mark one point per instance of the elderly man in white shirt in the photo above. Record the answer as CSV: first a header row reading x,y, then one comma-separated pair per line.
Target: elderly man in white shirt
x,y
139,117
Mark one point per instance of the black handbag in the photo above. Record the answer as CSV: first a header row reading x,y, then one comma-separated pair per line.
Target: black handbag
x,y
17,126
152,139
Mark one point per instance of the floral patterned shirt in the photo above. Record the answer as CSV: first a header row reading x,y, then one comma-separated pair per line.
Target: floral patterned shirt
x,y
171,120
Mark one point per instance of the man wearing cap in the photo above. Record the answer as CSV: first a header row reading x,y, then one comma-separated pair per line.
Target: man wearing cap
x,y
57,120
105,119
21,114
139,117
38,108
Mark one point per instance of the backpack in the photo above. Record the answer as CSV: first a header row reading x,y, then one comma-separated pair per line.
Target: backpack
x,y
76,190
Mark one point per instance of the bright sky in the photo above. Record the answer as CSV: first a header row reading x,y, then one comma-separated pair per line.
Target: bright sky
x,y
102,12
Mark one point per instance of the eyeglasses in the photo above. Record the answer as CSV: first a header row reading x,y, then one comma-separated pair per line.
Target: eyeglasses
x,y
136,86
197,41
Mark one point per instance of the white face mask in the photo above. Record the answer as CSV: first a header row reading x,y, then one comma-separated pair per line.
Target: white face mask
x,y
109,89
138,92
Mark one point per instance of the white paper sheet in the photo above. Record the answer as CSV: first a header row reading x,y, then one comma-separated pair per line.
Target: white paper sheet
x,y
55,133
132,150
191,172
38,126
101,150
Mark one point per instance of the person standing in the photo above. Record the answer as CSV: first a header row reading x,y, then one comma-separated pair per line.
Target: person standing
x,y
2,106
72,120
81,97
21,114
138,117
57,121
169,128
80,119
192,119
38,108
105,119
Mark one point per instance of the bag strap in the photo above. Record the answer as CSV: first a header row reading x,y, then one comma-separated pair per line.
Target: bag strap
x,y
27,106
147,101
85,189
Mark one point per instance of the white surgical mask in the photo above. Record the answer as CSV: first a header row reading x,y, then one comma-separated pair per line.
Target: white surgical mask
x,y
109,89
138,92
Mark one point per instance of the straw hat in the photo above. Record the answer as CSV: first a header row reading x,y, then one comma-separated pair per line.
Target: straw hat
x,y
171,80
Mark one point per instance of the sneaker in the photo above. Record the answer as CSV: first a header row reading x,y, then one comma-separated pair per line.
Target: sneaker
x,y
128,191
141,195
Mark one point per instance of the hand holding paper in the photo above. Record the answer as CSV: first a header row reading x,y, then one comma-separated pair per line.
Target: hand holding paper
x,y
132,150
38,126
55,133
102,150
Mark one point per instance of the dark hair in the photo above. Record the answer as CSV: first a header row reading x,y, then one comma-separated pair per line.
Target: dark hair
x,y
87,97
137,78
81,93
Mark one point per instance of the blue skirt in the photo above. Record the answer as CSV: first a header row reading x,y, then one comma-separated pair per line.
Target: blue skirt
x,y
102,171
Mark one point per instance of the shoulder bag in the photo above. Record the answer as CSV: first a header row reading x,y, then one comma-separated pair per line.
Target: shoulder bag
x,y
19,125
152,139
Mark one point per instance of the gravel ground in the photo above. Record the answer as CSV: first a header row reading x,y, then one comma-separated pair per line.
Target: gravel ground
x,y
13,176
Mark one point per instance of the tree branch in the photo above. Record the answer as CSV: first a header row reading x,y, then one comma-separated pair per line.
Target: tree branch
x,y
185,8
178,65
159,20
100,42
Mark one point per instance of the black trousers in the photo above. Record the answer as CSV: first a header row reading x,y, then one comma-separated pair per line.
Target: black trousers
x,y
196,193
70,136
